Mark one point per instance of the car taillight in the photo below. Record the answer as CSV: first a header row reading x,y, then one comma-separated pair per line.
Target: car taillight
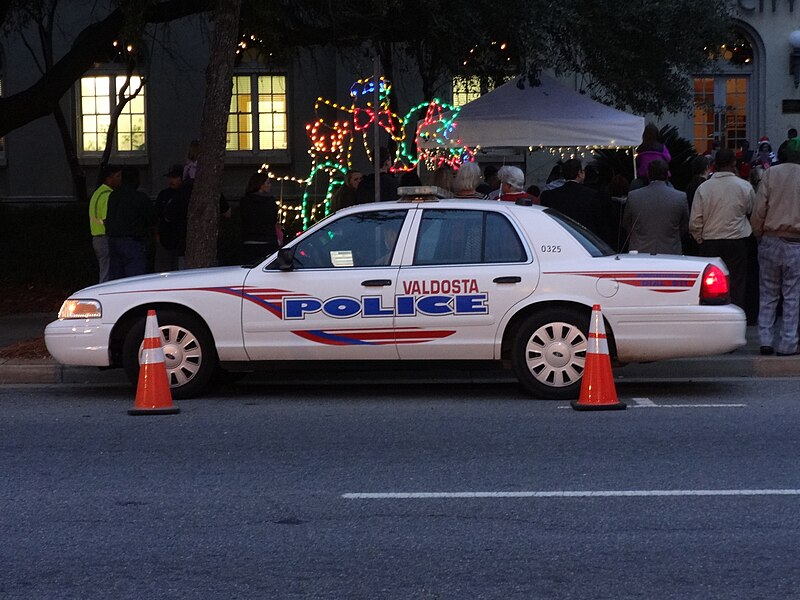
x,y
714,288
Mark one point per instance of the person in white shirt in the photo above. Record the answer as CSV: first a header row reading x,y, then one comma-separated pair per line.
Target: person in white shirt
x,y
719,220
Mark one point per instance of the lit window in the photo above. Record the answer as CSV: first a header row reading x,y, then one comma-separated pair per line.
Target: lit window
x,y
258,119
98,99
466,89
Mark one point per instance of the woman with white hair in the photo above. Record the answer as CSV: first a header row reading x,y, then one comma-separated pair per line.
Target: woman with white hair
x,y
512,186
468,177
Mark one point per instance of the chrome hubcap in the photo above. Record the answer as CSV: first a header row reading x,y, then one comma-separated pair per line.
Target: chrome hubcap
x,y
556,354
182,354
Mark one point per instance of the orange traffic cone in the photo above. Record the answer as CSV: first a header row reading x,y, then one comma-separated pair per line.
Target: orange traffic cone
x,y
597,388
152,392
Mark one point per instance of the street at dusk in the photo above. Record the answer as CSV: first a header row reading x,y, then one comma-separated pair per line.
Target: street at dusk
x,y
281,493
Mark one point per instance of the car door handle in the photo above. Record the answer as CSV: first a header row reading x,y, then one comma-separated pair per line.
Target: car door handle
x,y
376,282
509,279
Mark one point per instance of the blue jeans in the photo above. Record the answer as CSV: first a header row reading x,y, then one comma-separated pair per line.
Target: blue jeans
x,y
128,257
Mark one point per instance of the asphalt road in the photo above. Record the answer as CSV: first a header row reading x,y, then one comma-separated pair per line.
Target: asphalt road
x,y
693,492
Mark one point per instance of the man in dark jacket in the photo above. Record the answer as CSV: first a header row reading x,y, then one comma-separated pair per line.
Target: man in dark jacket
x,y
576,200
346,194
172,205
388,182
129,220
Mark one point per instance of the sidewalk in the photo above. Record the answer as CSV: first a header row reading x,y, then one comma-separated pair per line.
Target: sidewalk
x,y
744,362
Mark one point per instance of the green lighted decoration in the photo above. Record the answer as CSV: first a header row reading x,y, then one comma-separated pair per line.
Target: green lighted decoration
x,y
332,142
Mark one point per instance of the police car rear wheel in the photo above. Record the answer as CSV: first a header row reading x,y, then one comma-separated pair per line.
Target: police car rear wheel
x,y
189,353
550,353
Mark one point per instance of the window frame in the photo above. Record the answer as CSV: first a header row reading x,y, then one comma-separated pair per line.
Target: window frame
x,y
473,85
111,71
484,216
383,221
461,86
257,155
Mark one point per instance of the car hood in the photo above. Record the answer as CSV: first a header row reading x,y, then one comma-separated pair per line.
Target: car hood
x,y
190,278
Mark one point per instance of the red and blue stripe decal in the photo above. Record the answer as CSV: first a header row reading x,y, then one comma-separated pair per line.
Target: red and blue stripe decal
x,y
665,283
271,300
371,337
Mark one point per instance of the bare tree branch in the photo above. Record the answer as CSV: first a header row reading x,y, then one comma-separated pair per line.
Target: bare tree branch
x,y
122,101
41,98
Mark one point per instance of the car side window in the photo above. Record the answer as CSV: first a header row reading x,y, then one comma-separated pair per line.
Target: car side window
x,y
359,240
452,237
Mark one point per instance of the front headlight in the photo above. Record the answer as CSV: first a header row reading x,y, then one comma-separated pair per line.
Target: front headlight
x,y
80,309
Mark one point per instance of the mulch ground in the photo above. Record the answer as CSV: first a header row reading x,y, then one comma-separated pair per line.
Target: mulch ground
x,y
32,349
17,298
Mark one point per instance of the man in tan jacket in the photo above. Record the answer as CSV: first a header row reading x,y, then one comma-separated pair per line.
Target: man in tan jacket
x,y
776,222
719,220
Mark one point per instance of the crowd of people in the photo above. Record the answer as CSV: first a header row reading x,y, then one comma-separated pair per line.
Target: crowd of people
x,y
741,206
122,219
736,204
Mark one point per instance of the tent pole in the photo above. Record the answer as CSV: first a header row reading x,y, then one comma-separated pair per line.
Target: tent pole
x,y
376,142
633,161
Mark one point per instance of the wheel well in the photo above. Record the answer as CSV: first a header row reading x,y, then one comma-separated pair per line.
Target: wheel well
x,y
513,325
126,321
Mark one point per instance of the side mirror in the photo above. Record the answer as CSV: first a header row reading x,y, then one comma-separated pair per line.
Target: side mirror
x,y
285,259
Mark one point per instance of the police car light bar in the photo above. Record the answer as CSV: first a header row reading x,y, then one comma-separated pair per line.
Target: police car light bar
x,y
421,193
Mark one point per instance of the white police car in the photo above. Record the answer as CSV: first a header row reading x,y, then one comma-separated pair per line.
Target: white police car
x,y
413,280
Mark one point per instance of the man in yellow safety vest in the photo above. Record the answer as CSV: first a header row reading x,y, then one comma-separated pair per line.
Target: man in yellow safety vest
x,y
110,177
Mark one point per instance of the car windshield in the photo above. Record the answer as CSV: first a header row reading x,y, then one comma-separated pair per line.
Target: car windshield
x,y
589,240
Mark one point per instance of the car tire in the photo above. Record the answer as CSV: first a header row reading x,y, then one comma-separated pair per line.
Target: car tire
x,y
189,352
549,353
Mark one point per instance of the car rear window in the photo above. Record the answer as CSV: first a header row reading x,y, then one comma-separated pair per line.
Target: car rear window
x,y
460,237
588,239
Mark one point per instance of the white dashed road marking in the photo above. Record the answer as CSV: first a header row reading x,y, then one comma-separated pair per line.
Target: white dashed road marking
x,y
565,494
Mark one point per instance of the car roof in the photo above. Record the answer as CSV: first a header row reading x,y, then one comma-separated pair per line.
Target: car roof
x,y
465,203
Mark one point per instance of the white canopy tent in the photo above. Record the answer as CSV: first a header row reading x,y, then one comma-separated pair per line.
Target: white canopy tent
x,y
548,115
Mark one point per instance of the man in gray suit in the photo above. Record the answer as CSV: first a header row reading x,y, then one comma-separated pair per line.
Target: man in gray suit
x,y
656,215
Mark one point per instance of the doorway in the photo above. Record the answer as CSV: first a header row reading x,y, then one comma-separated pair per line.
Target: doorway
x,y
720,111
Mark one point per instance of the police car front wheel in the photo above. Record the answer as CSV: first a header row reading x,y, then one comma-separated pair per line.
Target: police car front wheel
x,y
189,352
549,353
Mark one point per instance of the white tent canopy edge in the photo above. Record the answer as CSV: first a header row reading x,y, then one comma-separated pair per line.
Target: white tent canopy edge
x,y
547,115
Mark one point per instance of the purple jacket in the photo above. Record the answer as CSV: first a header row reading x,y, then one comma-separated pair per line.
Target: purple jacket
x,y
645,157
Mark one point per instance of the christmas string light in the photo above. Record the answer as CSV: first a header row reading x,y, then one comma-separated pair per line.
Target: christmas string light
x,y
582,151
332,143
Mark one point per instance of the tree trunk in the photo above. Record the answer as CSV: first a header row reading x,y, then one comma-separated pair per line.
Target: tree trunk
x,y
75,168
203,217
40,99
45,25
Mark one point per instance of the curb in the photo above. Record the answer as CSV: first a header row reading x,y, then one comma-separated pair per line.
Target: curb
x,y
47,371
